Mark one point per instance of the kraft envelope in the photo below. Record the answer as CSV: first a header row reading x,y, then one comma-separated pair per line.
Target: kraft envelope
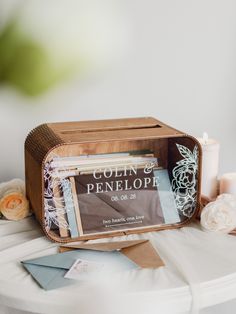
x,y
49,271
140,252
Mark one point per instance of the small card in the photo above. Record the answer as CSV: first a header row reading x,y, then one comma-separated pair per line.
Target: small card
x,y
84,268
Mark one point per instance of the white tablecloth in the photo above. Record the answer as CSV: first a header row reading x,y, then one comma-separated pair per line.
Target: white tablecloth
x,y
200,271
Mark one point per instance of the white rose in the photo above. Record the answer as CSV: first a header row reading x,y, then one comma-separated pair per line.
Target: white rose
x,y
15,185
219,216
229,198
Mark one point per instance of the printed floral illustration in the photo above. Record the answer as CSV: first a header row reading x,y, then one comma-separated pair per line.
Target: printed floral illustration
x,y
185,180
52,196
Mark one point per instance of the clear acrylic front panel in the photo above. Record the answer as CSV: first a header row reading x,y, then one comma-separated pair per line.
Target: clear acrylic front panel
x,y
153,183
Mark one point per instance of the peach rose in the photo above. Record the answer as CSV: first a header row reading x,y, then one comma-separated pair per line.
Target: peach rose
x,y
13,202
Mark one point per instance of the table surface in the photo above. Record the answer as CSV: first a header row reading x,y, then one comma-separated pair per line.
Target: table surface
x,y
199,271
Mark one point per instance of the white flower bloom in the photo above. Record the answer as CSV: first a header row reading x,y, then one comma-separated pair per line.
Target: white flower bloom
x,y
15,185
219,216
229,198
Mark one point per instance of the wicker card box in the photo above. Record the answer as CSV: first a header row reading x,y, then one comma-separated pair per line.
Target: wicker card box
x,y
93,179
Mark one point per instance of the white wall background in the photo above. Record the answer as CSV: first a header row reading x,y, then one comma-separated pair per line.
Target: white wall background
x,y
180,68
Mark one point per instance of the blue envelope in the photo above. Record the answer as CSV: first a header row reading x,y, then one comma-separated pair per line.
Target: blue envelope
x,y
49,271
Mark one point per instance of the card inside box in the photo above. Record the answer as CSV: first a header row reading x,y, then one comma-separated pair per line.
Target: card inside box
x,y
115,197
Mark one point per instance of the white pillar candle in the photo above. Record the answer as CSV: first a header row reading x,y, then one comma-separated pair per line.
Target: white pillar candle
x,y
228,183
210,166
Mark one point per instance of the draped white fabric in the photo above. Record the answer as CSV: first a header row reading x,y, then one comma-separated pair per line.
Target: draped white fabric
x,y
200,271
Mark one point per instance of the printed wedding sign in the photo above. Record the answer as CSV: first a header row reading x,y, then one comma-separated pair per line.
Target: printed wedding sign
x,y
117,198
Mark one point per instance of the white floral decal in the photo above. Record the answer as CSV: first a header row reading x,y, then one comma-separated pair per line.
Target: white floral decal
x,y
184,181
54,204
